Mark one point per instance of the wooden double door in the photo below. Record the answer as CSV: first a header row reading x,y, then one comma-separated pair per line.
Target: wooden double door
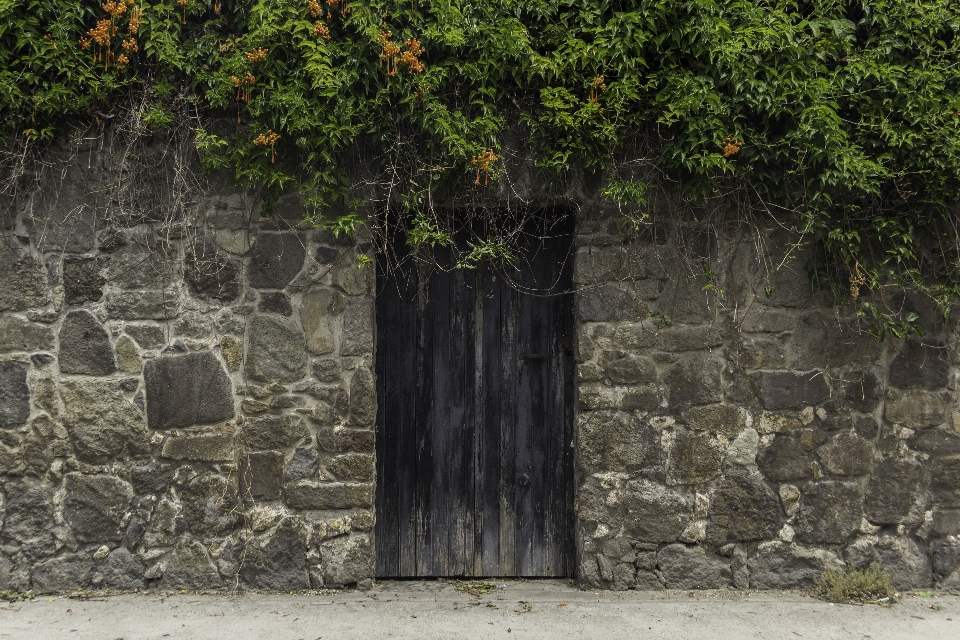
x,y
475,417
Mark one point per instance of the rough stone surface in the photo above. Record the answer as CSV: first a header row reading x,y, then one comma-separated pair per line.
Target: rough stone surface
x,y
128,357
83,280
276,561
347,559
210,505
846,454
275,259
217,446
67,572
261,475
303,465
615,441
830,511
17,334
94,506
23,280
29,515
155,321
779,565
210,273
14,394
892,490
183,390
944,478
103,424
189,567
85,346
121,570
273,432
275,302
686,567
609,302
275,350
909,566
784,460
655,513
789,390
357,337
695,457
921,363
307,494
861,389
721,419
743,508
915,409
694,381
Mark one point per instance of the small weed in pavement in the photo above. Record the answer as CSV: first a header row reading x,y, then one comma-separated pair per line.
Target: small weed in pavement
x,y
474,587
867,586
16,596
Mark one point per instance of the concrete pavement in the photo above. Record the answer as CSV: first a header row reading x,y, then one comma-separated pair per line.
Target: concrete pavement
x,y
432,609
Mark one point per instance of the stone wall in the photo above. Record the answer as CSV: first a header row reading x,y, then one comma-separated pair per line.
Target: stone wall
x,y
762,437
186,399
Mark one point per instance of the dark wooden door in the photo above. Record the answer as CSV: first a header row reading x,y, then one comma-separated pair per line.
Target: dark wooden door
x,y
475,418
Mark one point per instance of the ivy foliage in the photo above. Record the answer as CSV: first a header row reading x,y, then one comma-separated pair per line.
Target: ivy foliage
x,y
842,114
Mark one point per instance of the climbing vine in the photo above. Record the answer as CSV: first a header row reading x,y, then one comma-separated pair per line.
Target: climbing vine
x,y
839,118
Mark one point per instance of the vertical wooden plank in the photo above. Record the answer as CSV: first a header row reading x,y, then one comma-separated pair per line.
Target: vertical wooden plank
x,y
508,418
440,409
537,428
457,426
475,562
423,425
389,356
489,427
406,374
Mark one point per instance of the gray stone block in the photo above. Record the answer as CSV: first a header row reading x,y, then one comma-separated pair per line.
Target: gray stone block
x,y
189,566
653,512
907,563
261,475
82,279
945,482
347,559
94,506
307,494
847,454
686,567
275,259
615,441
273,432
121,570
778,565
20,335
14,394
921,363
695,380
276,351
276,561
184,390
694,458
85,347
743,508
64,573
103,424
210,505
23,280
200,447
210,273
830,512
790,390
